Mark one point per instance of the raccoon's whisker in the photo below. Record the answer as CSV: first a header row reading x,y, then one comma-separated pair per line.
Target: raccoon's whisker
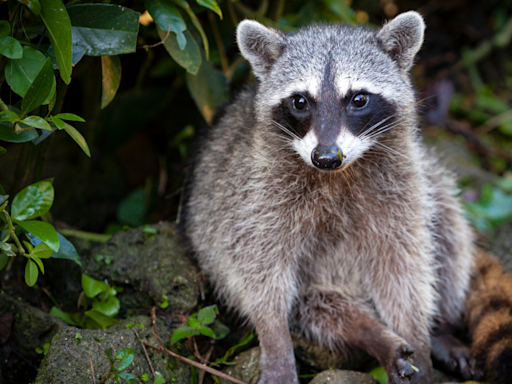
x,y
381,130
391,150
285,130
367,131
376,131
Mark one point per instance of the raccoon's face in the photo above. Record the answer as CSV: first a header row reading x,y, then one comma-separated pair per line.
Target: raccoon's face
x,y
333,90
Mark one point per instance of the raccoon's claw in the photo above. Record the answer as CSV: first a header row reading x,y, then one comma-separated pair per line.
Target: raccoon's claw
x,y
402,369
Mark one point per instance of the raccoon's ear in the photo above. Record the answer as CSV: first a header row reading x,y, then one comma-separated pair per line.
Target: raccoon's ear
x,y
260,45
402,38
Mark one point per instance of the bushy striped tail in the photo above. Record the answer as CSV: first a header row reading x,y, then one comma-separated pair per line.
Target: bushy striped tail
x,y
489,315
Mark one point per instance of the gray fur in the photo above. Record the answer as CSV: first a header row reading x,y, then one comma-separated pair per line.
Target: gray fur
x,y
368,257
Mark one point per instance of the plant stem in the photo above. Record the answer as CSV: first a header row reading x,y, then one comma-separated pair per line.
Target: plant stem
x,y
86,235
13,234
3,106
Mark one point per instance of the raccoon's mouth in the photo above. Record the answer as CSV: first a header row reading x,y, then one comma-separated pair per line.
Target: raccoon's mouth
x,y
327,157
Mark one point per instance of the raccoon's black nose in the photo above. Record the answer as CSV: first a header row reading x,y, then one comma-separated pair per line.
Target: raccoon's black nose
x,y
327,157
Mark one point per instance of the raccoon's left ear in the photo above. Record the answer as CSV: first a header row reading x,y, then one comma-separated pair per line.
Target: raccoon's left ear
x,y
402,38
260,45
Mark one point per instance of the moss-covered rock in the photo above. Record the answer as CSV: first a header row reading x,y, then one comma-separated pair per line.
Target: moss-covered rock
x,y
148,266
337,376
72,350
247,367
28,328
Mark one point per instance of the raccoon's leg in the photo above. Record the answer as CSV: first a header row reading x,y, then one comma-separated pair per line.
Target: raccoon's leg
x,y
340,322
265,290
404,297
489,315
453,356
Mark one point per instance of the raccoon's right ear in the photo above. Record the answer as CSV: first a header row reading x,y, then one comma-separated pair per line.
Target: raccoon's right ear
x,y
260,45
402,38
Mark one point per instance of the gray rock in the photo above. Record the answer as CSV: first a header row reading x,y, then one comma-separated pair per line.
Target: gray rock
x,y
148,267
25,328
337,376
69,357
247,367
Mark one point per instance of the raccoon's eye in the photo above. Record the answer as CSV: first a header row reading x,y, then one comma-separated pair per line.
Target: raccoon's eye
x,y
300,103
360,100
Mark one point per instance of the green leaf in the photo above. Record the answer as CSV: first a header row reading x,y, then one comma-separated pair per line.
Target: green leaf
x,y
70,117
67,251
3,260
6,134
111,78
211,4
56,19
207,315
132,209
221,331
193,322
182,333
29,246
231,351
5,28
56,312
159,379
7,249
33,201
33,5
9,116
42,251
21,73
58,122
128,377
184,4
45,231
204,330
11,48
168,18
3,151
189,58
40,89
108,308
104,29
38,122
79,139
100,319
208,89
125,358
380,375
31,273
92,287
38,261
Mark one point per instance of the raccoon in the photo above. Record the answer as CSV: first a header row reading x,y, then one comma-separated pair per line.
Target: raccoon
x,y
313,204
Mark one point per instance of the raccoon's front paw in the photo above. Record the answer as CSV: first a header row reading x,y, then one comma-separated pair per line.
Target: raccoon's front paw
x,y
401,368
454,357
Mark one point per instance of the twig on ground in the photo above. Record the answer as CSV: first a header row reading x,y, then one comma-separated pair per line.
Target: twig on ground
x,y
92,369
207,358
146,352
153,321
162,349
196,364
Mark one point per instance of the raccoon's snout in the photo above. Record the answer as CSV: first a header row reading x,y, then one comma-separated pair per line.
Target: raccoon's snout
x,y
327,157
